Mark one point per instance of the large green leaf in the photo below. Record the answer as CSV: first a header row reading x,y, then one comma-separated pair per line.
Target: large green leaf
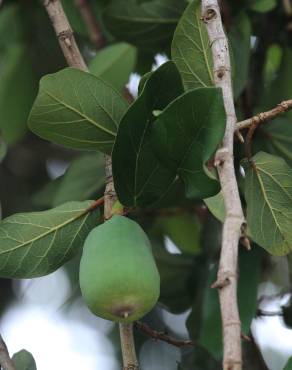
x,y
191,49
145,24
23,360
83,178
37,243
17,92
268,193
239,37
187,133
77,110
114,64
139,179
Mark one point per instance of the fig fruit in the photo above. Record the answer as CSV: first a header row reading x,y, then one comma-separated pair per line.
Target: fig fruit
x,y
119,279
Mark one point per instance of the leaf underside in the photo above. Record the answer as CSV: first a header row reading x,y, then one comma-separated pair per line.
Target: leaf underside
x,y
191,49
37,243
268,192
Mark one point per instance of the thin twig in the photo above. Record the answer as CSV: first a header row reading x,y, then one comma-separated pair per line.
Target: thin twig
x,y
265,116
74,59
93,28
5,360
157,335
227,273
249,137
99,202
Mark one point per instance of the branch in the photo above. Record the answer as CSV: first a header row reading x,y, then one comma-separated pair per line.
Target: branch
x,y
74,58
93,29
161,336
265,116
5,360
64,34
227,273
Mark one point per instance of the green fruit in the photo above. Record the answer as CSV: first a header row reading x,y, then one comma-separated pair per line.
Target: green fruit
x,y
118,277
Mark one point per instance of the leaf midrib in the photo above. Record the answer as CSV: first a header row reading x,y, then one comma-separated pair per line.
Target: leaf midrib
x,y
266,199
53,229
102,128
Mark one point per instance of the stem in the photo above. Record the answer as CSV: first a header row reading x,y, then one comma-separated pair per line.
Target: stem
x,y
227,273
5,360
74,59
93,29
128,347
281,108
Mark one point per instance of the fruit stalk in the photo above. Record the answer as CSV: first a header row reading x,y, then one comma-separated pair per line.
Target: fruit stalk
x,y
128,349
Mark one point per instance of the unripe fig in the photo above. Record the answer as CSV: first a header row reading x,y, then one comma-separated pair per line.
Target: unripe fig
x,y
119,279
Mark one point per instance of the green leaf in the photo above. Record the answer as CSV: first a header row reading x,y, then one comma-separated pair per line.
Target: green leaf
x,y
275,138
211,319
78,110
268,193
250,271
191,49
263,6
23,360
83,178
183,230
11,30
272,63
17,92
280,89
114,64
175,274
239,37
139,179
143,81
147,24
37,243
187,133
216,206
289,364
45,197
